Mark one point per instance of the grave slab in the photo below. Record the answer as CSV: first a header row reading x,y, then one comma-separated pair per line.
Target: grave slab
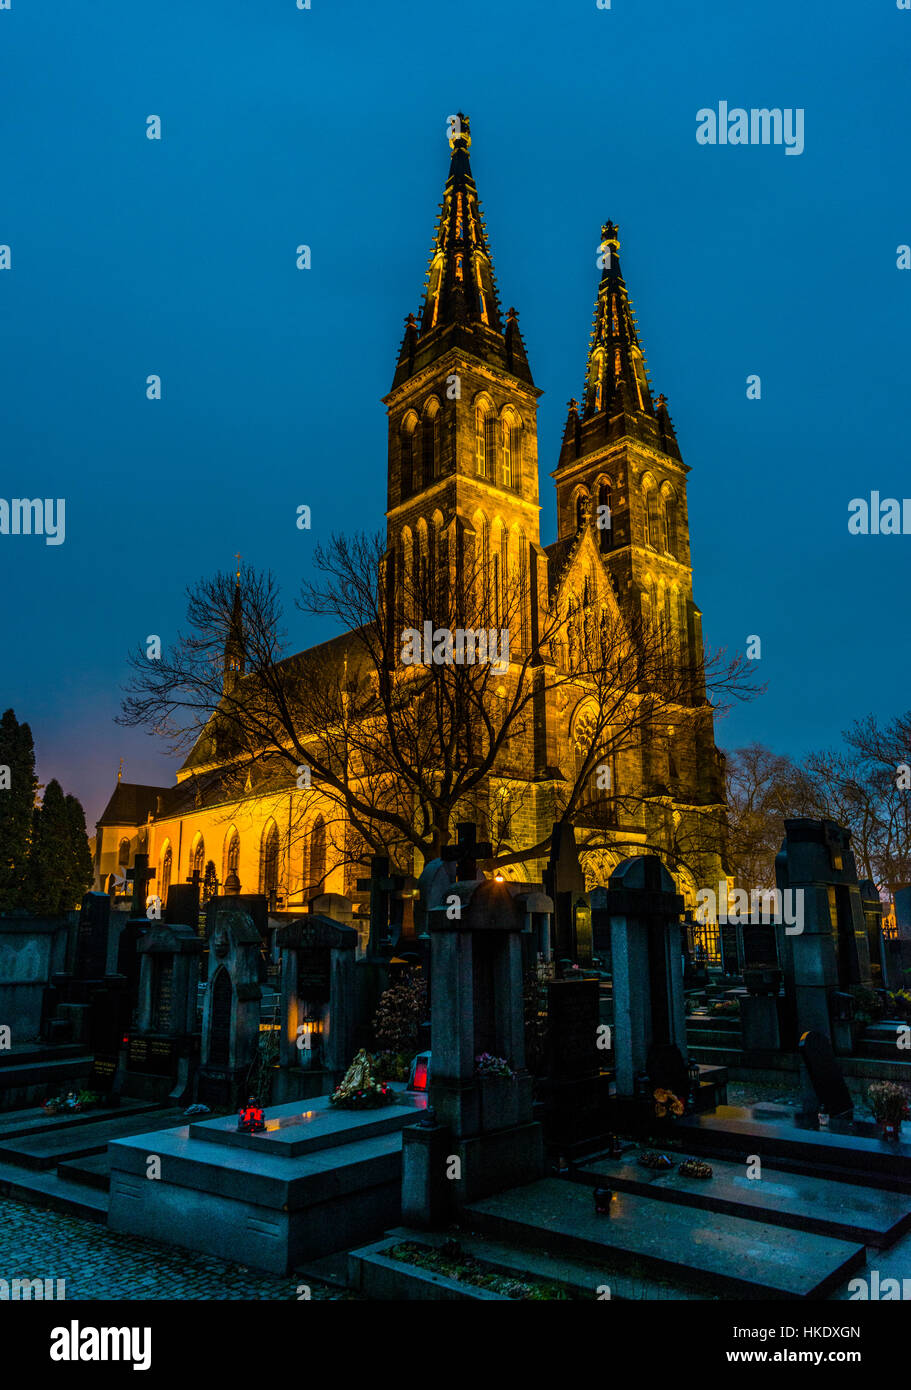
x,y
292,1129
731,1257
802,1201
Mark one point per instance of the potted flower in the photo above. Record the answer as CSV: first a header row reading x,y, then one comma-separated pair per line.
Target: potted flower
x,y
889,1103
497,1085
667,1104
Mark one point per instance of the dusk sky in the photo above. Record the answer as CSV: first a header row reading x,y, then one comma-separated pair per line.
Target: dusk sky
x,y
328,127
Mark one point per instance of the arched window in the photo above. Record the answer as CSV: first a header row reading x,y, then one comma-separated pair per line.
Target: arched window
x,y
581,504
510,441
232,861
269,872
605,517
407,453
484,459
197,858
651,512
430,443
318,853
123,853
164,873
670,522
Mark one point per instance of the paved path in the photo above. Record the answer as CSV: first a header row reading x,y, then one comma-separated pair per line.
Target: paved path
x,y
97,1263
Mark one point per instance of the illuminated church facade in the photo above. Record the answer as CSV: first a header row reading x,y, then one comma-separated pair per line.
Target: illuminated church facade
x,y
463,479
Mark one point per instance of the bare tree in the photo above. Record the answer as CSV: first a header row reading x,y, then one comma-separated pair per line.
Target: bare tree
x,y
431,696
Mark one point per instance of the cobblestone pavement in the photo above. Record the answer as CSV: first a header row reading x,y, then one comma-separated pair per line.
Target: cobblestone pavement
x,y
36,1243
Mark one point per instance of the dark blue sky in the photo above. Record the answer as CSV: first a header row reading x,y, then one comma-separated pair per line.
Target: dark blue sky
x,y
327,127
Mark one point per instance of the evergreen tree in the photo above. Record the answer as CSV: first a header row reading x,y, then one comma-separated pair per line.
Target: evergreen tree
x,y
80,869
49,861
17,803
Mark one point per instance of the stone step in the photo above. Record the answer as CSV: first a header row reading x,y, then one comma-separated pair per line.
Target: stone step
x,y
92,1171
843,1157
726,1255
24,1054
47,1149
46,1189
36,1121
715,1056
584,1278
806,1203
726,1023
61,1072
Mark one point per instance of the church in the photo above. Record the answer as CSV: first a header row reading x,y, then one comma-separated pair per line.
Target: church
x,y
463,482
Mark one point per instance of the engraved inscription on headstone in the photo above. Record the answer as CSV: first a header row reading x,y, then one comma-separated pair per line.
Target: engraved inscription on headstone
x,y
313,975
220,1036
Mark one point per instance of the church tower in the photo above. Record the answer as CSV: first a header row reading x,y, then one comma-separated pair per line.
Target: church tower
x,y
463,461
621,461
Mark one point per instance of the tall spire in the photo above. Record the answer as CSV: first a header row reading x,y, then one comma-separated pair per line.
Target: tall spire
x,y
460,304
617,394
616,372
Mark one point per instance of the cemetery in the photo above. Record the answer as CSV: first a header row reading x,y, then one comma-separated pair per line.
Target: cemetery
x,y
513,1090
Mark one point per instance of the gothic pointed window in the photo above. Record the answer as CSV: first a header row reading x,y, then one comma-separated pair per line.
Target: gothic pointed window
x,y
458,268
164,874
232,861
197,858
269,872
123,853
506,455
605,517
430,440
581,502
490,446
481,440
406,441
670,523
318,854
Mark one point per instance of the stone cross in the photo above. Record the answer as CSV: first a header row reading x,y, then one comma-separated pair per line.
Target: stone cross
x,y
467,850
140,876
382,887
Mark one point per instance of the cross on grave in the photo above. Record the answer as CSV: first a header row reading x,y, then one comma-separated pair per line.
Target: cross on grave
x,y
467,850
382,887
140,876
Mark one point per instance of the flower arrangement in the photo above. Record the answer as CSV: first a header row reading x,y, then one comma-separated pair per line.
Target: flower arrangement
x,y
72,1103
358,1090
488,1065
666,1103
888,1101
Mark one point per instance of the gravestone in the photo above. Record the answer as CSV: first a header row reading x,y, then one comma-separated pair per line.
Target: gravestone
x,y
317,1005
87,1003
254,905
564,882
575,1093
645,910
230,1029
831,954
731,958
483,1129
825,1075
91,949
164,1046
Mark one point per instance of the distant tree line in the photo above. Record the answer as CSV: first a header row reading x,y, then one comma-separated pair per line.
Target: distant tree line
x,y
865,785
45,862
